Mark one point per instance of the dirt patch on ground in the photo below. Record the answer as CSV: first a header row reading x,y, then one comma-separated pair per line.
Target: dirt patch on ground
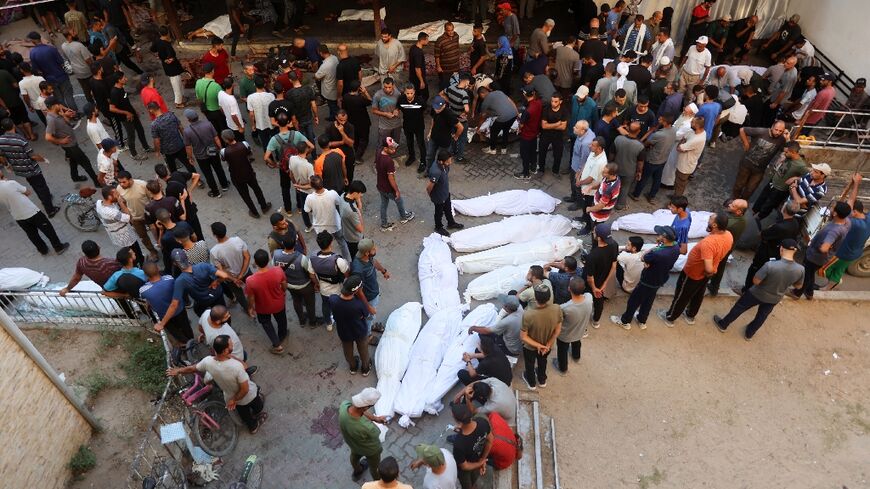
x,y
690,407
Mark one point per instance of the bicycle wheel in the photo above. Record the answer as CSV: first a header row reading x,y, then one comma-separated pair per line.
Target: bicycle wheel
x,y
168,474
220,440
82,216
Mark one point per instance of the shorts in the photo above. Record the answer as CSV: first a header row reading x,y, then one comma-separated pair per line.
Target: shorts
x,y
836,268
18,114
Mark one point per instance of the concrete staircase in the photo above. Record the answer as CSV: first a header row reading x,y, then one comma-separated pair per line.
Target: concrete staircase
x,y
538,469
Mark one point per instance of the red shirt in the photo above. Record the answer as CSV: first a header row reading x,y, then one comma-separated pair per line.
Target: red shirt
x,y
504,449
220,62
821,102
285,80
265,288
531,120
699,13
149,95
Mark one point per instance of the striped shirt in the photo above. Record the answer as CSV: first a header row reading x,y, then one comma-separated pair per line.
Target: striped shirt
x,y
607,194
447,52
457,99
17,152
810,191
98,270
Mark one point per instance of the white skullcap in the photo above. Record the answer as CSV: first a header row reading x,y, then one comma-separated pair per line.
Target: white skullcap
x,y
582,91
693,107
664,61
622,69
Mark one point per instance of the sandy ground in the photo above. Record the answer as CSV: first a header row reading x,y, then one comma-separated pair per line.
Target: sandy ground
x,y
690,407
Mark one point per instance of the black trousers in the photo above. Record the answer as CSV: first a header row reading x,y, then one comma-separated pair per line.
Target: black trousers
x,y
179,327
528,148
217,119
192,217
746,302
536,367
412,133
651,173
562,348
179,158
135,126
640,301
85,83
124,57
444,209
716,280
761,257
250,412
77,158
550,141
265,320
287,191
361,141
303,304
39,223
40,188
117,127
300,204
236,293
769,201
210,167
243,189
688,297
808,287
498,133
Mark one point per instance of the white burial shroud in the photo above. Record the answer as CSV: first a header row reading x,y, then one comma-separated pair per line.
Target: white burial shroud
x,y
499,281
644,223
514,229
393,353
507,203
439,280
544,249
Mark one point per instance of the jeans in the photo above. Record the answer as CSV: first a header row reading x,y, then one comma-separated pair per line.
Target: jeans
x,y
179,158
746,302
651,172
498,133
265,321
40,188
373,461
688,297
458,146
304,297
536,367
177,88
370,319
562,348
77,159
300,204
385,202
548,141
748,178
769,200
412,134
210,167
362,348
307,130
432,150
35,224
640,301
396,134
325,309
250,412
528,148
244,193
807,288
333,109
64,89
444,209
135,126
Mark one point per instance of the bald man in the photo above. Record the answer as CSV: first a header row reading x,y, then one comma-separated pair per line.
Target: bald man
x,y
348,69
736,210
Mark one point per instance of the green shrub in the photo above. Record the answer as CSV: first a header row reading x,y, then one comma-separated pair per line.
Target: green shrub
x,y
83,461
145,365
96,382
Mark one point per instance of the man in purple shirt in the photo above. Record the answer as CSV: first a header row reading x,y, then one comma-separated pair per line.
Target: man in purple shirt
x,y
47,60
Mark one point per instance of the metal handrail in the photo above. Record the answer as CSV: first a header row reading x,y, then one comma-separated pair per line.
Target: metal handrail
x,y
83,309
843,83
848,121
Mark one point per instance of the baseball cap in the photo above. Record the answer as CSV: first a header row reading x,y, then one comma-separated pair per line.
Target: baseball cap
x,y
179,257
438,102
365,245
702,40
431,455
603,230
528,90
509,302
390,142
828,76
822,167
191,114
861,81
108,144
366,397
34,35
666,231
789,244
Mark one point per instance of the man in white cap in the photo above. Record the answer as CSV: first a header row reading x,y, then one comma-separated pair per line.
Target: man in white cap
x,y
662,49
683,126
360,433
696,67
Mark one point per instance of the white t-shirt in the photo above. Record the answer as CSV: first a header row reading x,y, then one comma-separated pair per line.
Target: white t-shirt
x,y
230,107
806,100
687,159
445,480
229,375
229,254
211,333
594,168
302,170
29,85
12,196
696,62
96,132
632,264
106,165
258,103
39,104
323,208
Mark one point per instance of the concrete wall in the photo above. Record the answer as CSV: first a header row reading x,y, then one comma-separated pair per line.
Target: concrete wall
x,y
40,429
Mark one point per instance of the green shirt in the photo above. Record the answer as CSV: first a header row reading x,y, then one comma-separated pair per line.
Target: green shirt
x,y
786,170
292,136
246,86
207,90
736,226
360,434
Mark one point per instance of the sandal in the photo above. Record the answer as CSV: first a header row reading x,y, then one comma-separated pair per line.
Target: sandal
x,y
277,349
374,340
378,327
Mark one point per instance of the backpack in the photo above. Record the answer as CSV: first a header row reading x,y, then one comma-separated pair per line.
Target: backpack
x,y
285,151
516,443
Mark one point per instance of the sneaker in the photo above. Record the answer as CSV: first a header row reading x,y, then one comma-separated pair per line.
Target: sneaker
x,y
266,207
62,249
489,151
285,213
555,363
80,178
388,226
718,322
713,292
574,207
254,214
641,325
53,211
455,225
522,176
663,315
421,168
214,194
596,324
459,159
689,320
747,338
634,197
408,217
542,384
309,229
442,232
503,151
225,188
539,171
585,334
530,386
366,371
355,368
378,327
651,200
330,327
618,321
357,474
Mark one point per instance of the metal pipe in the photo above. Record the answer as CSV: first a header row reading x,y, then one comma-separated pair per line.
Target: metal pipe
x,y
31,351
539,471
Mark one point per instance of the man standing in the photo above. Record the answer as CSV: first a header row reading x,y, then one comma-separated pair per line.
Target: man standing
x,y
789,167
696,67
167,134
390,54
440,466
80,60
230,108
769,285
13,196
417,66
136,195
365,266
471,444
438,189
447,55
16,152
822,247
357,428
445,132
542,323
604,199
201,282
326,75
257,103
786,227
384,106
736,210
387,185
322,205
700,265
120,106
218,57
172,67
331,270
852,246
413,107
458,98
688,154
583,138
46,59
115,216
231,255
780,89
300,279
539,48
589,180
60,132
237,157
530,129
265,293
658,147
577,314
629,158
816,110
157,293
554,121
207,90
765,144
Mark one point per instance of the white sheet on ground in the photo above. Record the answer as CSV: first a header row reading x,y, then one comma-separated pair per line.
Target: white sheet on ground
x,y
542,249
499,281
425,358
436,28
93,302
486,125
460,342
514,229
644,223
219,26
16,278
439,280
393,353
507,203
350,14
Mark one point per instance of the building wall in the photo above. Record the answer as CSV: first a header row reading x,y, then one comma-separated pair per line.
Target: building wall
x,y
839,29
40,429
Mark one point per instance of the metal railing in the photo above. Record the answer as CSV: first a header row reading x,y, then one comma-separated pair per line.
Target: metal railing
x,y
82,309
849,129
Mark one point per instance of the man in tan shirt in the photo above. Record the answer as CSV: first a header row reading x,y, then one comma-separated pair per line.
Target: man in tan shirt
x,y
136,195
542,323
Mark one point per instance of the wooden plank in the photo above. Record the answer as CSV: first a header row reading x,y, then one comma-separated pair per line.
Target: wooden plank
x,y
525,465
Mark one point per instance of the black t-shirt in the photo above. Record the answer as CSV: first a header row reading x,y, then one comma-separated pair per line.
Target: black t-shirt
x,y
443,127
641,76
165,51
495,365
121,100
647,119
754,110
177,184
469,448
278,106
416,59
300,102
657,93
591,75
238,162
600,260
412,111
169,203
168,243
594,48
333,134
129,284
102,92
737,28
357,108
788,33
347,71
549,115
478,50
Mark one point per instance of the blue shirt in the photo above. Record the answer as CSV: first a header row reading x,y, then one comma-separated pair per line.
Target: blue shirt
x,y
612,22
196,284
350,317
710,112
47,59
604,129
586,110
439,176
159,295
366,271
660,259
580,152
681,226
672,105
112,283
852,246
559,281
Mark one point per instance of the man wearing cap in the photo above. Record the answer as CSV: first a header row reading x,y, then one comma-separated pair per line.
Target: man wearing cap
x,y
696,67
815,111
789,168
821,248
760,144
657,267
506,331
769,285
45,58
17,153
510,24
858,96
811,188
387,185
440,466
60,132
697,24
781,41
358,429
662,50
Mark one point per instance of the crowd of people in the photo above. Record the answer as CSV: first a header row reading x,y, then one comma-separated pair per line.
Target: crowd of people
x,y
614,107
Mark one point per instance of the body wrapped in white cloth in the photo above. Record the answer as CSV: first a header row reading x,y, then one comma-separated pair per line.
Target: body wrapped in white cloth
x,y
439,280
514,229
544,249
507,203
499,281
394,352
643,223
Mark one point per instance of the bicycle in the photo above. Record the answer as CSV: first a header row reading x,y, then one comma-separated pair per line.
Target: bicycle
x,y
212,424
165,474
80,209
252,475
